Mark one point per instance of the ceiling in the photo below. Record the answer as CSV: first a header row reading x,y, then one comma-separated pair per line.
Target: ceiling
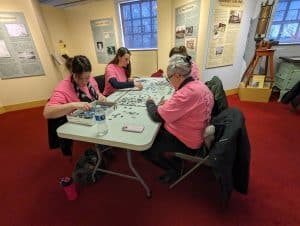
x,y
64,3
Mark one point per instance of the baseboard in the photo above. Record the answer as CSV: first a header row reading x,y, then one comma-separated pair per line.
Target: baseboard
x,y
231,91
2,110
16,107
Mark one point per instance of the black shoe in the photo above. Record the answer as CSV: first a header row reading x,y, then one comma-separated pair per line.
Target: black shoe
x,y
109,155
176,162
169,177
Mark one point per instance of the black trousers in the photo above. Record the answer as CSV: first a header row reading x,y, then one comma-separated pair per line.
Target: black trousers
x,y
295,102
166,142
54,141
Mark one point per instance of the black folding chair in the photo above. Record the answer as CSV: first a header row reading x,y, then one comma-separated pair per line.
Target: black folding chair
x,y
100,79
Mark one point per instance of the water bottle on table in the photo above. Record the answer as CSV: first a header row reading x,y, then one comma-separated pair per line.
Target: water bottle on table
x,y
100,118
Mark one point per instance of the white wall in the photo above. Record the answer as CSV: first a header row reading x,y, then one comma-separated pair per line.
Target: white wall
x,y
72,25
164,20
29,89
56,25
81,38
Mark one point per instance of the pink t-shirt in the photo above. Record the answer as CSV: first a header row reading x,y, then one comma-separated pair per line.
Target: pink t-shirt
x,y
113,71
65,92
188,112
195,71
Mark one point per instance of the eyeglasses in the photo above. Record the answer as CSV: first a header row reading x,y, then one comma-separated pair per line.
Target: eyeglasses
x,y
169,77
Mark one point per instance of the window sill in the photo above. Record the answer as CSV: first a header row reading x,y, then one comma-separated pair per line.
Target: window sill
x,y
150,49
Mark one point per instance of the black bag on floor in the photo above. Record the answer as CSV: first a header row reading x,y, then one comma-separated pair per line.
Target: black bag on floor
x,y
83,171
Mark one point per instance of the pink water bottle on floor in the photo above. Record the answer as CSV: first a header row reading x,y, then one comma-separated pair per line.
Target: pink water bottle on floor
x,y
69,188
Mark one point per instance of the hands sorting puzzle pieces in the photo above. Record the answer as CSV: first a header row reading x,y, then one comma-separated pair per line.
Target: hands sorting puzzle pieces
x,y
152,89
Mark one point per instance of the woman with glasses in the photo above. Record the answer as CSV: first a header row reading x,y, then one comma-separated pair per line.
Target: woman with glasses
x,y
184,116
182,50
76,91
117,73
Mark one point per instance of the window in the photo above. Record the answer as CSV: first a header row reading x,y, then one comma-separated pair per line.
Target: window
x,y
139,24
286,20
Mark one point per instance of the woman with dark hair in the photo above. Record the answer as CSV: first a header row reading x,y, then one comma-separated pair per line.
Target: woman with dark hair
x,y
76,91
184,116
68,64
182,50
118,71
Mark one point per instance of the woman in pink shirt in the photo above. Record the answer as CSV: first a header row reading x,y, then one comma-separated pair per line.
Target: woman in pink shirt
x,y
76,91
184,116
182,50
117,73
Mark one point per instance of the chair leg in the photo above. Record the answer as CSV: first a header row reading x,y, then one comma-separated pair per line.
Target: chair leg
x,y
189,172
182,168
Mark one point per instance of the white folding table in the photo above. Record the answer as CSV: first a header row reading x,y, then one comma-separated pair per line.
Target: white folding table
x,y
123,115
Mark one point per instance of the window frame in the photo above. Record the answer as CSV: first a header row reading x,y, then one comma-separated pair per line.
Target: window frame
x,y
283,22
121,23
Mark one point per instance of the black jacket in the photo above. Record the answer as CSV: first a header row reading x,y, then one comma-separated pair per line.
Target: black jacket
x,y
230,155
292,96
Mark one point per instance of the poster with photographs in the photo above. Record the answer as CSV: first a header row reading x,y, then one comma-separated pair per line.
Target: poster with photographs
x,y
18,55
104,39
224,33
186,26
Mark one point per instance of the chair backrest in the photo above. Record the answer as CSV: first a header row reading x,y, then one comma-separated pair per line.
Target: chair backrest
x,y
100,79
159,73
216,87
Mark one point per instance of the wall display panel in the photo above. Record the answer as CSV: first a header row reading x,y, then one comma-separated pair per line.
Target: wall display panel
x,y
225,30
186,26
18,55
104,39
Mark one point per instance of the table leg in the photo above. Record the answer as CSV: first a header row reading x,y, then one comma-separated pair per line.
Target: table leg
x,y
139,178
136,174
100,159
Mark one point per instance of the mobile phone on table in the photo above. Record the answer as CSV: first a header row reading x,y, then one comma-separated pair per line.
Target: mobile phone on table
x,y
133,128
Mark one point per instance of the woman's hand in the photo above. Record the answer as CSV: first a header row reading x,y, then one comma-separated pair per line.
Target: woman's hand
x,y
85,106
102,98
162,102
149,100
138,85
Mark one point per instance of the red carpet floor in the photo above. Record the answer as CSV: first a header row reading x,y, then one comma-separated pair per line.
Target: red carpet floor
x,y
30,193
